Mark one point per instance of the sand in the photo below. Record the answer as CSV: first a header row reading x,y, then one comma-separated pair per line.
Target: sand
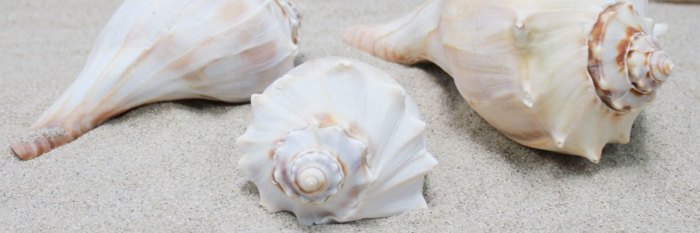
x,y
173,166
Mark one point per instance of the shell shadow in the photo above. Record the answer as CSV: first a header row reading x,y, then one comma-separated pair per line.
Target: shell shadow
x,y
478,130
193,105
300,59
250,189
206,106
427,190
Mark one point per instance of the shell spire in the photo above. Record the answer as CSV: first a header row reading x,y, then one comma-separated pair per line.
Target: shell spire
x,y
561,75
336,140
152,51
629,54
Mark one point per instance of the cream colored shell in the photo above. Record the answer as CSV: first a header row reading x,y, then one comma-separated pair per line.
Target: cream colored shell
x,y
562,75
336,140
162,50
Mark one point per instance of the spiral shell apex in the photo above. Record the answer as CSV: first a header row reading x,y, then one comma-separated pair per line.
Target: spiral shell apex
x,y
626,63
336,140
567,76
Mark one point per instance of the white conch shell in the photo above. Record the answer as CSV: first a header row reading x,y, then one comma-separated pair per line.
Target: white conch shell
x,y
562,75
153,51
336,140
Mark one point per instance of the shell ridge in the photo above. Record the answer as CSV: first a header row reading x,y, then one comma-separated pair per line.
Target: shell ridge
x,y
405,149
109,67
145,54
416,167
403,197
173,77
376,161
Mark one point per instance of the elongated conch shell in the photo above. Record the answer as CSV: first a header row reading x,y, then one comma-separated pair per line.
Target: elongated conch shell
x,y
562,75
152,51
336,140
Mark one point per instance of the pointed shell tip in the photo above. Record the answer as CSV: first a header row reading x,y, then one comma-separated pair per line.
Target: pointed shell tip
x,y
19,149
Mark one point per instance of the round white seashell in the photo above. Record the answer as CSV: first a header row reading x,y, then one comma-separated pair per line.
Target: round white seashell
x,y
336,140
562,75
152,51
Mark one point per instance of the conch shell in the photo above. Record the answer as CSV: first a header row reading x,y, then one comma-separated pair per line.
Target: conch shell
x,y
153,51
336,140
562,75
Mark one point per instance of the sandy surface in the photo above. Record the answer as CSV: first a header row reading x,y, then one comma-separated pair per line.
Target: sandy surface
x,y
173,166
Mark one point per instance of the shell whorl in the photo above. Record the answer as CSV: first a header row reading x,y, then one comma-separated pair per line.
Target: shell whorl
x,y
308,164
294,17
626,62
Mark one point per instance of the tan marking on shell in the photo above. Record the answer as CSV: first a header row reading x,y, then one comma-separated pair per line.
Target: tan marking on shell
x,y
271,153
636,92
294,17
621,59
528,136
260,54
647,57
163,48
229,12
354,193
41,142
623,48
666,69
597,36
181,63
355,131
325,120
195,77
342,167
275,182
283,173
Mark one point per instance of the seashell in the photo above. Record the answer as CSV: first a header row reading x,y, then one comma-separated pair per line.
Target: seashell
x,y
336,140
152,51
564,76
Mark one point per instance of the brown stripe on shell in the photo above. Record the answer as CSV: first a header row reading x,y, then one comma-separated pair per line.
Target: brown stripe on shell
x,y
325,120
598,32
271,153
621,59
283,179
43,141
623,48
293,15
636,92
342,168
528,136
596,38
647,58
666,69
275,182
